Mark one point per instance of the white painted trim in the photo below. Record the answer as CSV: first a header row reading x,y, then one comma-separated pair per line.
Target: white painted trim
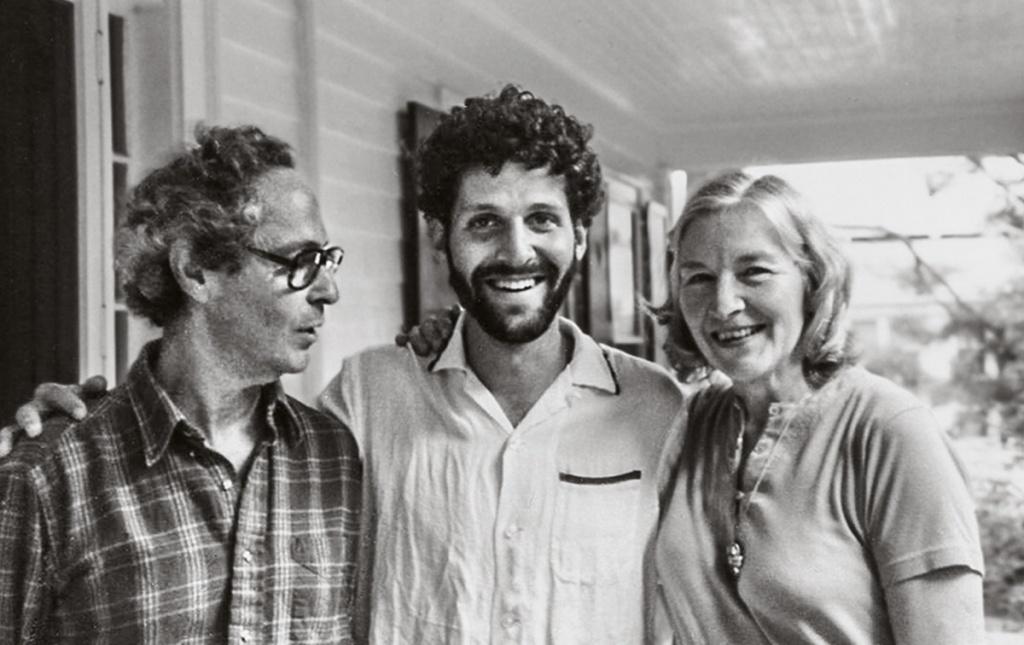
x,y
196,64
95,198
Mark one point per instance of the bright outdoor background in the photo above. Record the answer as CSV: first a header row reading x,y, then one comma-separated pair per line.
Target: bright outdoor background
x,y
938,306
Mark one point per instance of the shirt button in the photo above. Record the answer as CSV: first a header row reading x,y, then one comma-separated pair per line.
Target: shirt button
x,y
245,635
247,556
774,408
227,484
512,532
510,620
760,447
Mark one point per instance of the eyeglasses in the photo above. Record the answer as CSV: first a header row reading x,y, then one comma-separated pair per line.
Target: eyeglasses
x,y
305,265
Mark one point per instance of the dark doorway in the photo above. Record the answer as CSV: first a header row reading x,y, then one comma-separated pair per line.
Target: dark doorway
x,y
38,199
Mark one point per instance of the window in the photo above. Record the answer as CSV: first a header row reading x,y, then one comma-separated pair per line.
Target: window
x,y
124,122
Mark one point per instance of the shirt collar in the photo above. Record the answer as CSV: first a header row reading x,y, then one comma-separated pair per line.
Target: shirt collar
x,y
158,417
589,366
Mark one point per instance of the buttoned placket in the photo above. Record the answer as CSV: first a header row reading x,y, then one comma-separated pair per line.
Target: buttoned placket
x,y
247,580
522,541
756,471
249,508
513,551
757,460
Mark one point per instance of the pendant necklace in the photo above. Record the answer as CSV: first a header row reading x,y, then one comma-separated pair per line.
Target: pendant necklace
x,y
735,554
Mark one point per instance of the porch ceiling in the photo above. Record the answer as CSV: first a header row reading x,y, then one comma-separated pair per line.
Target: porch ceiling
x,y
678,69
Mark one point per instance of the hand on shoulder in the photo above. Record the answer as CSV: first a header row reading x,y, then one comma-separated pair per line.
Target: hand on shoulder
x,y
431,335
48,400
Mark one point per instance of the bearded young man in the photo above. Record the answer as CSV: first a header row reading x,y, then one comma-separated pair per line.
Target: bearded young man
x,y
510,480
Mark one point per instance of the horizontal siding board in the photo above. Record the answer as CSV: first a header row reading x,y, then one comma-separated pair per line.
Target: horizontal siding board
x,y
346,113
373,258
354,208
256,79
282,126
408,35
349,68
262,27
349,161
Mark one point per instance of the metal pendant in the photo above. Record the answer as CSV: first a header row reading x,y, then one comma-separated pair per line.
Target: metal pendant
x,y
734,558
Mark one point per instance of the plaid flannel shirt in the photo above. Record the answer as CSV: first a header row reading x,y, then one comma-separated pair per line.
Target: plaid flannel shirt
x,y
127,528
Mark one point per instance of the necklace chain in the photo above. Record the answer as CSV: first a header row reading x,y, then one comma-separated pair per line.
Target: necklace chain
x,y
735,554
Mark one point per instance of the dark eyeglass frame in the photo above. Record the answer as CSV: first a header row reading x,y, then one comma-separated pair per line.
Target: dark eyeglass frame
x,y
329,258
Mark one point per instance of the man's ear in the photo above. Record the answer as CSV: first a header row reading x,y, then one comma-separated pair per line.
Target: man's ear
x,y
190,276
438,237
580,232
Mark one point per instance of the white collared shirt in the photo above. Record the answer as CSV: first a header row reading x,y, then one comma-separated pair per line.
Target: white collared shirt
x,y
489,533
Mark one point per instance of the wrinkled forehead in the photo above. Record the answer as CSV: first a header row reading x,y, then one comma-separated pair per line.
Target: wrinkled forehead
x,y
284,189
285,206
776,222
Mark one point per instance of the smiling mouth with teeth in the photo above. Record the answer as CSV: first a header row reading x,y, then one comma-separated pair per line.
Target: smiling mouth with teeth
x,y
520,284
733,335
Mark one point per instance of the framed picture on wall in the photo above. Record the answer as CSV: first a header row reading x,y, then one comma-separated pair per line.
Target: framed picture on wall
x,y
426,273
611,278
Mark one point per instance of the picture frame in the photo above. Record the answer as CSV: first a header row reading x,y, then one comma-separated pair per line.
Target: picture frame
x,y
612,263
426,289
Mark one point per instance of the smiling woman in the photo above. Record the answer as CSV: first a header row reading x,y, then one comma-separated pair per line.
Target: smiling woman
x,y
803,478
743,302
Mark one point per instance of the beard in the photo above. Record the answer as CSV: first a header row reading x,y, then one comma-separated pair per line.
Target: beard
x,y
498,325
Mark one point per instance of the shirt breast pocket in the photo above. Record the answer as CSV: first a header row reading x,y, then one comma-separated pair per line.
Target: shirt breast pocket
x,y
596,528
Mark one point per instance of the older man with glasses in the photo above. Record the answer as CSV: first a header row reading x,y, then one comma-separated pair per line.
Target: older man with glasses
x,y
197,503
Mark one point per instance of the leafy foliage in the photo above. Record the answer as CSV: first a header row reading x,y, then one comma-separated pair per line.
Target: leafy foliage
x,y
989,374
1001,521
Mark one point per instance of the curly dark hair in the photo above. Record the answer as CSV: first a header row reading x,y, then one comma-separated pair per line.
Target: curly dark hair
x,y
514,126
204,195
